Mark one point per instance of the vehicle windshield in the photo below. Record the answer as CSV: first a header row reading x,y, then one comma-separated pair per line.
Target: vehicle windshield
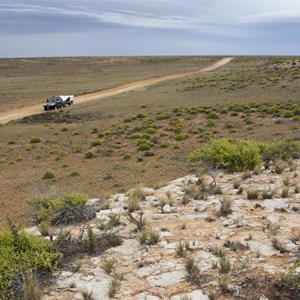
x,y
51,100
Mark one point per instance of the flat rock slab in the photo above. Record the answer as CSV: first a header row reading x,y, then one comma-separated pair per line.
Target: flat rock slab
x,y
167,279
129,248
275,203
194,295
144,296
99,286
263,249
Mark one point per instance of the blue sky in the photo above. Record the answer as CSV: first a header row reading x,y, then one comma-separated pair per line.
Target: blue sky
x,y
31,28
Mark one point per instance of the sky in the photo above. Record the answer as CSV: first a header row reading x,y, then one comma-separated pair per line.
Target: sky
x,y
39,28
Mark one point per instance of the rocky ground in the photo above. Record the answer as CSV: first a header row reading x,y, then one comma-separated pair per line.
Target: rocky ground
x,y
192,246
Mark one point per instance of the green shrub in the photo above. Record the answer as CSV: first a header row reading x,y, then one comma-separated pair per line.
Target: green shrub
x,y
141,116
11,141
138,128
230,154
35,140
89,155
129,119
164,145
67,209
212,115
77,149
149,153
96,143
288,114
20,253
228,125
150,130
48,175
144,147
74,174
211,123
285,149
181,137
289,283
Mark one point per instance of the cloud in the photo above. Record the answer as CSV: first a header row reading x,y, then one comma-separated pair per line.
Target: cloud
x,y
114,16
149,26
271,17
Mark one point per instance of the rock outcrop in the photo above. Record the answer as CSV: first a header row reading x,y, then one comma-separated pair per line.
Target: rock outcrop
x,y
232,252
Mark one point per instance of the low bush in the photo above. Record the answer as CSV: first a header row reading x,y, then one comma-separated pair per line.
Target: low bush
x,y
252,194
48,175
284,149
225,208
70,208
89,155
181,137
21,253
149,153
74,174
149,237
230,154
35,140
96,143
144,147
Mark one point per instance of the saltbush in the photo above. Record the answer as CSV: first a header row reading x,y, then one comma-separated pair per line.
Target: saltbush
x,y
69,208
35,140
230,154
284,149
89,155
48,175
20,253
181,137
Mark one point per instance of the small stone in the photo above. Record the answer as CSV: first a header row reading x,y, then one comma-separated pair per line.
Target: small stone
x,y
272,219
291,247
95,260
166,209
34,230
228,222
93,201
194,295
144,296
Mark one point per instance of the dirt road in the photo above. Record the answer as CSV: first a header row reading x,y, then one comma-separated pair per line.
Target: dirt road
x,y
36,109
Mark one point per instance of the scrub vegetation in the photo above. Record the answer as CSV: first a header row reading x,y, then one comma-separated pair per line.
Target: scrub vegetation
x,y
144,136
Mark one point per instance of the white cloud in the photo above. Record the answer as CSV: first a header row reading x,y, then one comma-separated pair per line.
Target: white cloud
x,y
170,25
122,17
271,17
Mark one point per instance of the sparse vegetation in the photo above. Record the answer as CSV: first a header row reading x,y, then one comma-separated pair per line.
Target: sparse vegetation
x,y
117,165
35,140
278,245
225,208
252,194
149,237
225,265
70,208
